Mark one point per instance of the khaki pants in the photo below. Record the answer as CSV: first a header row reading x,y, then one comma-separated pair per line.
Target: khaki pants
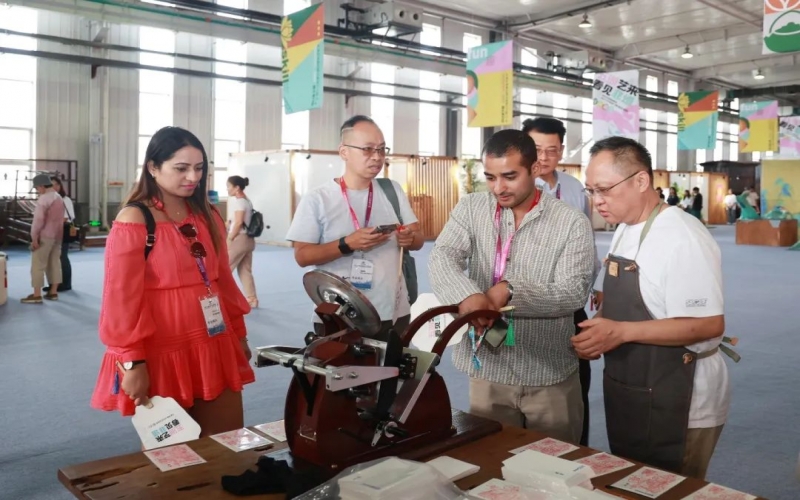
x,y
555,410
700,444
240,253
46,260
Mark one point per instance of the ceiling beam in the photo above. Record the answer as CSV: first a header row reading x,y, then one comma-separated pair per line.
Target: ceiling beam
x,y
554,15
733,11
693,38
738,67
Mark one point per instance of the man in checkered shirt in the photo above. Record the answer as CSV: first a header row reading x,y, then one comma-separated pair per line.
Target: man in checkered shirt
x,y
544,271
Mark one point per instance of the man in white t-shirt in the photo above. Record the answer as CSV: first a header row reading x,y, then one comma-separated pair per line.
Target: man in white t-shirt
x,y
665,384
730,206
335,226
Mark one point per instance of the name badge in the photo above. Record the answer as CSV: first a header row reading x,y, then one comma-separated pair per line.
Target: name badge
x,y
215,322
361,274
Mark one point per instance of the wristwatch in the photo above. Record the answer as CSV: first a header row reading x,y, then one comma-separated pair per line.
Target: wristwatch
x,y
344,247
130,364
510,291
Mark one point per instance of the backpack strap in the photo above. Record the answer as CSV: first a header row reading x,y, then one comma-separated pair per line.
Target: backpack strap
x,y
150,224
388,190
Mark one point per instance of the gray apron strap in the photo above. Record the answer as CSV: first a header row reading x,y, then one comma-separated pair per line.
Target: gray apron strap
x,y
647,225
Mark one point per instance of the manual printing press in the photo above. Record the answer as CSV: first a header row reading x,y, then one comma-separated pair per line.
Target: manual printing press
x,y
353,398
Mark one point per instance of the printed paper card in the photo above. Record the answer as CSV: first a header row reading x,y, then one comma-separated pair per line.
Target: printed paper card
x,y
649,482
241,439
174,457
548,446
717,492
603,463
497,489
274,430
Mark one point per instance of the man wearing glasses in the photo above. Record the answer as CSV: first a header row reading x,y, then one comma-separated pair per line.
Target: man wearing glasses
x,y
525,250
348,226
548,134
661,322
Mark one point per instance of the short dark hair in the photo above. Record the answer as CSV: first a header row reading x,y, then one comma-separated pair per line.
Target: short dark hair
x,y
508,141
629,155
545,125
353,121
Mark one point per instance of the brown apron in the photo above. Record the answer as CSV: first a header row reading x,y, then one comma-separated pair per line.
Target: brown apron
x,y
647,388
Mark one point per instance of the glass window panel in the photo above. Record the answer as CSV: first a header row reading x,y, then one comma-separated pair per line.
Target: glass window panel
x,y
144,140
672,88
155,111
431,35
230,90
429,127
734,150
16,67
382,73
560,105
156,82
294,130
17,104
162,61
229,119
221,182
11,182
292,6
18,19
672,151
222,150
156,39
651,143
15,144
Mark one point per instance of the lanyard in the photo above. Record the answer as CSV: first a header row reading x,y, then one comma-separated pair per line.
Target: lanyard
x,y
502,251
201,265
350,207
558,191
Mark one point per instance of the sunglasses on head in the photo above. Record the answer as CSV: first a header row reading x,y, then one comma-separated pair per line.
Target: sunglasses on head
x,y
189,232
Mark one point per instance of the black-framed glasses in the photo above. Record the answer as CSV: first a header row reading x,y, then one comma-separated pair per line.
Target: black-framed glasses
x,y
196,248
549,152
601,192
369,150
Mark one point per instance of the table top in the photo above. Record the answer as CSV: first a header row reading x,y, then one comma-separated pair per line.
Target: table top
x,y
133,476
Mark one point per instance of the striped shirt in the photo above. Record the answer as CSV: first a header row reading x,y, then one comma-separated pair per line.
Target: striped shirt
x,y
48,217
550,268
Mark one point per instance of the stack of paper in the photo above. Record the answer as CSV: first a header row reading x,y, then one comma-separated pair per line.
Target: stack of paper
x,y
497,489
544,472
392,479
453,469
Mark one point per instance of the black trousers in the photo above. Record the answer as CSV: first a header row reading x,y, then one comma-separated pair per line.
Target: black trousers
x,y
66,267
585,374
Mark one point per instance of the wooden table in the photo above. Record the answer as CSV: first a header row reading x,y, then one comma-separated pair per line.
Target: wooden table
x,y
135,477
773,233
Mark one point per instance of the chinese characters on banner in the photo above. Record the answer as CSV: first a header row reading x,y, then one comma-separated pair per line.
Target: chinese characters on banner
x,y
697,120
790,136
758,126
781,28
302,44
616,105
490,84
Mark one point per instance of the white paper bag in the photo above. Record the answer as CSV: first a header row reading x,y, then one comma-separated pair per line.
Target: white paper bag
x,y
163,424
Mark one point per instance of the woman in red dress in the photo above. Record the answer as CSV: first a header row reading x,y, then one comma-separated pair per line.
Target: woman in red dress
x,y
173,322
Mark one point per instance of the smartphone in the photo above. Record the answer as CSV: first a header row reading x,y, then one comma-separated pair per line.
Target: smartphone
x,y
497,334
385,229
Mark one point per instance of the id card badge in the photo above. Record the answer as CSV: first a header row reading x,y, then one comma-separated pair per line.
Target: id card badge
x,y
215,322
361,274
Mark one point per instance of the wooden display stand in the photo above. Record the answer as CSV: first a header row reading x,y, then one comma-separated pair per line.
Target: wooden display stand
x,y
764,232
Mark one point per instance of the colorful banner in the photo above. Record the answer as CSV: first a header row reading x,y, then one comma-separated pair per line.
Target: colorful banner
x,y
758,126
490,84
697,120
789,130
302,53
781,28
616,105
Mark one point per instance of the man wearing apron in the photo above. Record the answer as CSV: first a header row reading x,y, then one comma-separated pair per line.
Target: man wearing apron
x,y
661,322
548,133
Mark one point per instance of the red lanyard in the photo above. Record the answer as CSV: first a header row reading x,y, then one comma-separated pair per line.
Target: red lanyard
x,y
502,251
350,207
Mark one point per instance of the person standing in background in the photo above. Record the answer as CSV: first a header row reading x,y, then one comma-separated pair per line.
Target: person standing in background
x,y
660,193
548,134
672,199
731,203
47,231
240,245
69,216
697,204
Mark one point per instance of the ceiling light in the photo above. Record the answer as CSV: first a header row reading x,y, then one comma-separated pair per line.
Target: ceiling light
x,y
585,23
758,75
687,54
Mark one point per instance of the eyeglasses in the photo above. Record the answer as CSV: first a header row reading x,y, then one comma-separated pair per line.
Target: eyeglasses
x,y
601,192
544,153
196,248
369,150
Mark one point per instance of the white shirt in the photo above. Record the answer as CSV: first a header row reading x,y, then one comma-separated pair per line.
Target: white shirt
x,y
323,216
730,200
69,209
239,205
681,276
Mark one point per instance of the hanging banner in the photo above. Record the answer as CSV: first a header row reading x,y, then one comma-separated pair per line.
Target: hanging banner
x,y
790,136
490,84
697,120
758,126
302,53
781,28
616,105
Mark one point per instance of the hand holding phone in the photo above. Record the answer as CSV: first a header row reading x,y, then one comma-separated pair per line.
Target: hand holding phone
x,y
386,229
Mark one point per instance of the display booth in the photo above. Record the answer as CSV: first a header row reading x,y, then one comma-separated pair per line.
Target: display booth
x,y
713,187
741,174
280,179
780,181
